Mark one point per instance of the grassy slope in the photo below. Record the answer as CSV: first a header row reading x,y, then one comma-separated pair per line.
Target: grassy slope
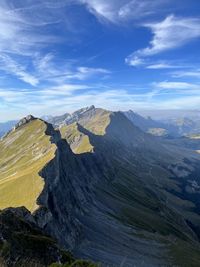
x,y
23,153
79,142
96,123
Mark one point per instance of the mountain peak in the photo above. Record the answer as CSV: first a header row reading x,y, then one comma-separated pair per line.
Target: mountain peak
x,y
24,121
83,110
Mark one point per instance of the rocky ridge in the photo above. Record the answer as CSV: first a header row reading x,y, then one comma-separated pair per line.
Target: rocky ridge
x,y
126,202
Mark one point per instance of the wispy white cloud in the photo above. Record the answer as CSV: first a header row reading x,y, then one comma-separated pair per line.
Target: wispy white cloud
x,y
138,9
163,65
10,66
180,102
47,68
68,97
61,90
177,85
29,30
24,37
168,34
118,11
187,73
21,37
83,73
134,60
22,25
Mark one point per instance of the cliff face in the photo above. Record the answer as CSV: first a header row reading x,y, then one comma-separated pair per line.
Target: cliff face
x,y
129,202
23,243
122,203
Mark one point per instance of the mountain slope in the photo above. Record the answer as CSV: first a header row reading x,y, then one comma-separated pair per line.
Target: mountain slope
x,y
185,126
92,119
68,118
147,124
132,201
131,189
57,120
78,141
23,153
142,122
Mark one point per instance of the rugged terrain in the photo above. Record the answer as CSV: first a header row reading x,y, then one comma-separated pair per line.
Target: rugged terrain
x,y
117,196
23,244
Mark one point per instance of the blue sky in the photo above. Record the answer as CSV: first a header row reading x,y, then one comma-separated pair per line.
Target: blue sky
x,y
58,56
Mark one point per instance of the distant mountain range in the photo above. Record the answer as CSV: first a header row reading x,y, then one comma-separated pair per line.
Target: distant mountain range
x,y
105,189
172,124
169,126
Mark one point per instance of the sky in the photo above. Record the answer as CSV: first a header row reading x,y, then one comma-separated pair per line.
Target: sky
x,y
58,56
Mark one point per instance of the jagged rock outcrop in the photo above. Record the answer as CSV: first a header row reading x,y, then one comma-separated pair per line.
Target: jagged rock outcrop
x,y
24,121
23,244
68,118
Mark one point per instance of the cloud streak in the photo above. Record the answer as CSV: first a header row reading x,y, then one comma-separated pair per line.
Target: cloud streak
x,y
8,65
177,85
68,97
25,35
120,11
187,73
171,33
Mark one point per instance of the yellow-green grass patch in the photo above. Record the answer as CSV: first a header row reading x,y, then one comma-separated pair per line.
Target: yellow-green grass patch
x,y
23,153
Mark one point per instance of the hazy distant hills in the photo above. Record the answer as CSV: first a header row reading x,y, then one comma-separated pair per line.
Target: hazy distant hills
x,y
105,189
158,123
184,125
173,126
168,126
151,126
183,122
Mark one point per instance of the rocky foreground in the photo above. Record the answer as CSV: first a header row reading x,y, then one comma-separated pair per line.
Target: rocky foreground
x,y
24,244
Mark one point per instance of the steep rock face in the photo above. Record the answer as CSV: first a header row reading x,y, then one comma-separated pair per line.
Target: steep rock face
x,y
154,127
142,122
68,118
77,115
67,188
23,244
57,120
128,203
124,203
